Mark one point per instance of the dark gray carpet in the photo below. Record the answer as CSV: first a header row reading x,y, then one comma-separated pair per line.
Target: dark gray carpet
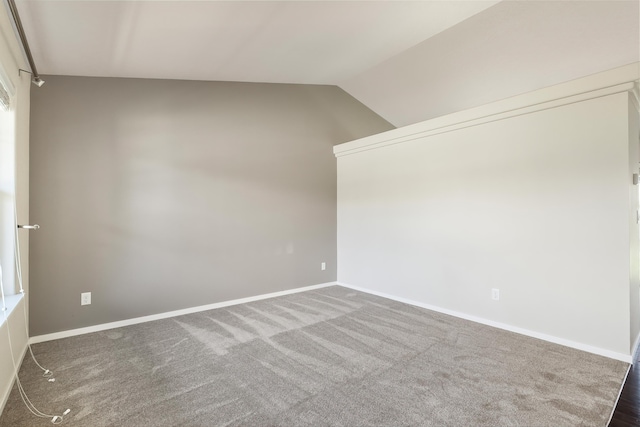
x,y
330,357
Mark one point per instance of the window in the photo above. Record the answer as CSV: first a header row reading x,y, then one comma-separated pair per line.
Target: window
x,y
7,184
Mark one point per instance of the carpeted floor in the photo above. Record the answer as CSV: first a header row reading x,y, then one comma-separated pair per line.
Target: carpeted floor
x,y
329,357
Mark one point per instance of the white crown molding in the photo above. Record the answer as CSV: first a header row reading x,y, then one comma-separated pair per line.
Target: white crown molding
x,y
623,79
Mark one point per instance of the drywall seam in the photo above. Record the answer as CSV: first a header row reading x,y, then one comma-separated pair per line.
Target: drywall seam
x,y
522,331
168,314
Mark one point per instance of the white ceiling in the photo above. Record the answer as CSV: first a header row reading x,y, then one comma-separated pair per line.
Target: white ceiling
x,y
512,48
406,60
312,42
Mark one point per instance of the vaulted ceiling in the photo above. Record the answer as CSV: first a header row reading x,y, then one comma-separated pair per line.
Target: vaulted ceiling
x,y
511,48
406,60
312,42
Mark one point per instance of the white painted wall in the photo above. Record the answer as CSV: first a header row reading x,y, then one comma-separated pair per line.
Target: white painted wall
x,y
536,205
16,324
12,59
634,218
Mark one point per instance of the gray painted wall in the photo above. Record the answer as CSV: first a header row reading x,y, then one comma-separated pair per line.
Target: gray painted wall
x,y
159,195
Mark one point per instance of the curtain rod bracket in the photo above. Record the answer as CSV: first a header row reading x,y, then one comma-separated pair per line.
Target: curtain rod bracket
x,y
36,80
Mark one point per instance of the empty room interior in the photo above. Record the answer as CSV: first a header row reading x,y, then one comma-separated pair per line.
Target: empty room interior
x,y
319,213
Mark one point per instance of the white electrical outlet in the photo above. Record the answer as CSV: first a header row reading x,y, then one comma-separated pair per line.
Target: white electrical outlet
x,y
495,294
323,266
85,298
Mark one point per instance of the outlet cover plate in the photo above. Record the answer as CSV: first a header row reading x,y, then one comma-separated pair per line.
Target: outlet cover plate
x,y
85,298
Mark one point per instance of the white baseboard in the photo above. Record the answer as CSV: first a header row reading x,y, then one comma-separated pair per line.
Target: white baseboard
x,y
143,319
550,338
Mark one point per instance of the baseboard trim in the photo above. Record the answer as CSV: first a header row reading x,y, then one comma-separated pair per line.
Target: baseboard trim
x,y
112,325
550,338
